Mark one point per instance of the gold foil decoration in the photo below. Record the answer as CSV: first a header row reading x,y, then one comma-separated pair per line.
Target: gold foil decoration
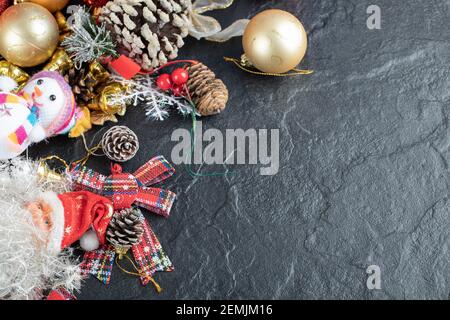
x,y
97,73
110,100
60,62
99,118
9,70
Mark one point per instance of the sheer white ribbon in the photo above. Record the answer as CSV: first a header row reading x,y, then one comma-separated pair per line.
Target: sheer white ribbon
x,y
209,28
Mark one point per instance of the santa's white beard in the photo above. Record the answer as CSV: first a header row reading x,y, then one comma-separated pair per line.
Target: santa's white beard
x,y
27,268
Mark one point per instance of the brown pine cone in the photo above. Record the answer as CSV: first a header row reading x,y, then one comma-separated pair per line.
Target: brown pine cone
x,y
209,94
126,228
120,144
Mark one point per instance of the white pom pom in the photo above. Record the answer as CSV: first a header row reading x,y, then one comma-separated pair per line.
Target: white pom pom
x,y
37,134
89,241
7,84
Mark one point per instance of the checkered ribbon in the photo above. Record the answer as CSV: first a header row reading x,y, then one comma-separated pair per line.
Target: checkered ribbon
x,y
99,263
154,171
88,179
150,256
125,189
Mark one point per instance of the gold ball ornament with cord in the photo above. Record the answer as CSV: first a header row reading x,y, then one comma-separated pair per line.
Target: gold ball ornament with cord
x,y
50,5
28,34
275,41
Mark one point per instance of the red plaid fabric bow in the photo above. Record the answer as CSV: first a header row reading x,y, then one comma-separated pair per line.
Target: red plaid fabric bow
x,y
125,189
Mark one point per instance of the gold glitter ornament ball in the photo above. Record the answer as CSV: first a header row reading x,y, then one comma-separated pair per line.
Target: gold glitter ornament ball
x,y
28,34
275,41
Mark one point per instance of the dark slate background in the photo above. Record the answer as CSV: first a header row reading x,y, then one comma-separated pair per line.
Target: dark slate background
x,y
363,175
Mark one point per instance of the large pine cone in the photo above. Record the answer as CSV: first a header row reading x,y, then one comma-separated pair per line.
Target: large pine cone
x,y
209,94
120,144
150,31
126,228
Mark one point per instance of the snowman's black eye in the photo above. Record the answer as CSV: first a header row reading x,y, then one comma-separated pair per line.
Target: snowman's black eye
x,y
40,81
52,97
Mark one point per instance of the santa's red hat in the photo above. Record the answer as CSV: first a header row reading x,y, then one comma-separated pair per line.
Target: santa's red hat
x,y
73,216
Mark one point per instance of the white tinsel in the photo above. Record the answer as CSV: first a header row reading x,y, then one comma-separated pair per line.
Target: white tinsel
x,y
89,41
27,269
143,91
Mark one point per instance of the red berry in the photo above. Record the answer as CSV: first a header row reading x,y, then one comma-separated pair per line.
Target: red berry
x,y
163,82
177,90
180,76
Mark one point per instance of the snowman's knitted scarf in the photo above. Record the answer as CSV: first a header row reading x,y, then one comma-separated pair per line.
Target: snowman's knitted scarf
x,y
21,133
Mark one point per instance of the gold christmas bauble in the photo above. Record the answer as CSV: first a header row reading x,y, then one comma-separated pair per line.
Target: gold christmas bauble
x,y
50,5
275,41
28,34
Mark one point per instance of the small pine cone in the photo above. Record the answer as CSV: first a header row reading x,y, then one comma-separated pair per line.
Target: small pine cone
x,y
209,94
120,144
150,31
82,85
126,228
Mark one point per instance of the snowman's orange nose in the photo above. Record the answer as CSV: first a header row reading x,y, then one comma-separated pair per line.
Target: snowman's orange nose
x,y
37,91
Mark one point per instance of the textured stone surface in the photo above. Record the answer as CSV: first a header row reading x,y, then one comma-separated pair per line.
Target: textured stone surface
x,y
363,166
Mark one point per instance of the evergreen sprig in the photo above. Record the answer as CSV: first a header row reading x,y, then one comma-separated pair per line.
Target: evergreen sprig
x,y
88,41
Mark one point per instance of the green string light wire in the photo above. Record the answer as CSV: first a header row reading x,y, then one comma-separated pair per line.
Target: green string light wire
x,y
189,165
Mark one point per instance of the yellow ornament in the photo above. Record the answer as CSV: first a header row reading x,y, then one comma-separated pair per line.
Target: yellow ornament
x,y
63,25
59,62
275,41
82,125
28,34
45,173
50,5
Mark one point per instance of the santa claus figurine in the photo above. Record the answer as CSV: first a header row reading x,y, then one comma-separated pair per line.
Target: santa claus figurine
x,y
45,107
38,223
69,217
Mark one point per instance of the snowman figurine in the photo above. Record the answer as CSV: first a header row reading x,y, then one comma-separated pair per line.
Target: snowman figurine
x,y
45,107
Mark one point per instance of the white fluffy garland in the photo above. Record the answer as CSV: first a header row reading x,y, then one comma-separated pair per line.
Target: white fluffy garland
x,y
27,269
